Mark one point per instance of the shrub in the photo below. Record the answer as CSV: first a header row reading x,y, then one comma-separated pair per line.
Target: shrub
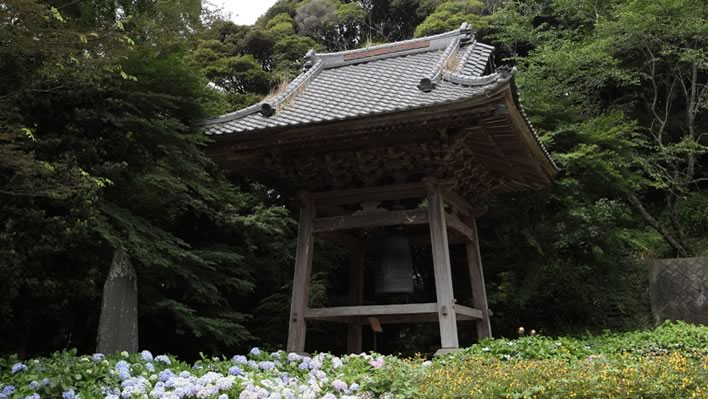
x,y
668,362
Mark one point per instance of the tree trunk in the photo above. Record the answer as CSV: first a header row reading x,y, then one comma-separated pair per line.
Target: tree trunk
x,y
680,249
118,324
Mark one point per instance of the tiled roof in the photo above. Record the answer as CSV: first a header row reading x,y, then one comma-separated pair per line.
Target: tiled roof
x,y
393,77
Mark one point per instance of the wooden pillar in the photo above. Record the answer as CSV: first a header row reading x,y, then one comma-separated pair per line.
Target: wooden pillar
x,y
441,264
301,281
356,297
479,293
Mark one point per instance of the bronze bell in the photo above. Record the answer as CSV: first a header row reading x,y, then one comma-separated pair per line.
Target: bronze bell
x,y
394,272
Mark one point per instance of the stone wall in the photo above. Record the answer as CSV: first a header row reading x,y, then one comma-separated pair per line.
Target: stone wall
x,y
679,289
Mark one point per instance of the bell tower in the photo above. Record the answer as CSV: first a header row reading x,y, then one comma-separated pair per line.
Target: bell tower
x,y
412,134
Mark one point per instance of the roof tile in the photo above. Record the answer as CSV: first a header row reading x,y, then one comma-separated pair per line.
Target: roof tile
x,y
376,80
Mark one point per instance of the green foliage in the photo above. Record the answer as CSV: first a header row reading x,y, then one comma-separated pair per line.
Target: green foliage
x,y
101,155
585,79
450,14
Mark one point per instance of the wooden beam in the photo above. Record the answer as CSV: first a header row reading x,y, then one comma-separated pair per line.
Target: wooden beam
x,y
454,222
347,241
479,293
356,296
370,310
386,218
471,313
377,193
375,324
441,266
458,202
396,319
301,280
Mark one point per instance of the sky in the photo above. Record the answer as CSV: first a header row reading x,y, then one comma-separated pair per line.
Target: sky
x,y
244,12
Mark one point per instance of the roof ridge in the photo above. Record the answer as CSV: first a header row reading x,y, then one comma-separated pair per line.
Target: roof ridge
x,y
252,109
427,83
293,89
465,56
268,106
395,49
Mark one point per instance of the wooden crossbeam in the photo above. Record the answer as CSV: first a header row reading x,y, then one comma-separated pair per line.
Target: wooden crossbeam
x,y
388,314
378,219
345,240
339,312
378,193
471,313
455,200
454,223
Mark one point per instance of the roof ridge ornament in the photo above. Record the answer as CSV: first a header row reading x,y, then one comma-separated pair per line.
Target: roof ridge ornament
x,y
309,59
467,31
505,71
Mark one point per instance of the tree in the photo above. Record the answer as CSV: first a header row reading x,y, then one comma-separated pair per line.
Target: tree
x,y
663,45
121,127
337,26
449,15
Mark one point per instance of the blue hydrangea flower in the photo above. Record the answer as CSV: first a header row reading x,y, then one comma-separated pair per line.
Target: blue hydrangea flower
x,y
354,387
33,396
315,364
163,359
165,375
18,367
45,382
122,365
225,383
150,367
146,356
97,357
8,390
157,392
329,396
70,394
123,374
223,396
266,365
240,359
255,351
235,370
340,385
34,385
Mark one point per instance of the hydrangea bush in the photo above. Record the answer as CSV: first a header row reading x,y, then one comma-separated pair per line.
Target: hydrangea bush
x,y
254,376
668,362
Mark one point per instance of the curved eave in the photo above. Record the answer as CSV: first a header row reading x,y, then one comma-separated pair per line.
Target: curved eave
x,y
503,86
491,87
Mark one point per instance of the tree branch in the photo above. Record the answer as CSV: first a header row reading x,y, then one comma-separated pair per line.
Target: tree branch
x,y
682,252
